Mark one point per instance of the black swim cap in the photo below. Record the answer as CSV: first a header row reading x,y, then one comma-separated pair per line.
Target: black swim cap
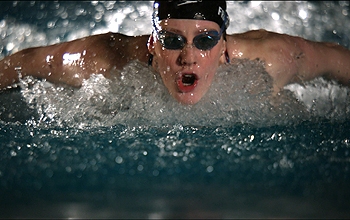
x,y
199,9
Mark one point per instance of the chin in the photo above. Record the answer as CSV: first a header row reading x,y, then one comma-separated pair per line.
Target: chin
x,y
187,98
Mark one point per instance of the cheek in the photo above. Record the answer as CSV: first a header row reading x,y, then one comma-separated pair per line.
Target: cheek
x,y
210,64
165,60
212,55
210,61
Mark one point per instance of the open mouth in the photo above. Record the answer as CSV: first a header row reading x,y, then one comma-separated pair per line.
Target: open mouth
x,y
187,82
188,79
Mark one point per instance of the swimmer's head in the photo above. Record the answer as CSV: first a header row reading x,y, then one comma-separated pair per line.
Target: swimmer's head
x,y
198,9
188,45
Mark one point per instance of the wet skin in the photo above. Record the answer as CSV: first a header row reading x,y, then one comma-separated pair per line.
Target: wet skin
x,y
287,59
187,72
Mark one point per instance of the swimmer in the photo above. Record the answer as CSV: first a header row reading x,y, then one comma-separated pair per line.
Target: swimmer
x,y
187,45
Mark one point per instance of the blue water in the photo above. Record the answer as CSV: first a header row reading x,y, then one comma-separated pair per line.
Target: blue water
x,y
124,148
170,171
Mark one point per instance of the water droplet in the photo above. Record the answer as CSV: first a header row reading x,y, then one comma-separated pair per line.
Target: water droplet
x,y
119,160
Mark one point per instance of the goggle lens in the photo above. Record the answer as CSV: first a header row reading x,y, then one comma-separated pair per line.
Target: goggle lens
x,y
204,41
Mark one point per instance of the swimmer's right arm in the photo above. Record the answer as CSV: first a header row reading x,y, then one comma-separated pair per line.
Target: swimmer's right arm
x,y
72,62
45,62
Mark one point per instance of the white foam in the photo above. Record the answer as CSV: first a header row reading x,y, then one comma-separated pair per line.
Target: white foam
x,y
241,93
323,98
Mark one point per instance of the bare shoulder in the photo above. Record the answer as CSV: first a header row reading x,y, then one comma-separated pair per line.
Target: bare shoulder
x,y
110,49
290,58
250,35
261,38
73,61
282,54
120,49
105,42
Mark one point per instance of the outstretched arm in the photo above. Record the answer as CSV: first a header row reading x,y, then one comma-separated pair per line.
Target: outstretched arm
x,y
325,59
290,59
72,62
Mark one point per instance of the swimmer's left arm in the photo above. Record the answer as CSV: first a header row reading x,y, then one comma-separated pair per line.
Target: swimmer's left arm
x,y
329,60
290,59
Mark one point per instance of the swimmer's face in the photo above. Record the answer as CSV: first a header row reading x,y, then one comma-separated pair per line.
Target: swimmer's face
x,y
187,72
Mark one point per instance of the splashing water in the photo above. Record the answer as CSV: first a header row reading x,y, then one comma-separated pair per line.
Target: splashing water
x,y
138,97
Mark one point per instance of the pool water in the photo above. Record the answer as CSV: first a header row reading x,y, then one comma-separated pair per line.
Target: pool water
x,y
123,148
176,171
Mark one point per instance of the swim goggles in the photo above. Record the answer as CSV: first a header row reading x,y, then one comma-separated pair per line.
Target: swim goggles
x,y
203,41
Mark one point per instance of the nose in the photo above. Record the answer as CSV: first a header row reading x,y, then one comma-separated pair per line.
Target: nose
x,y
187,55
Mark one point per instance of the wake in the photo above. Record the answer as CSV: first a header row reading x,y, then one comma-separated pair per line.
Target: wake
x,y
240,93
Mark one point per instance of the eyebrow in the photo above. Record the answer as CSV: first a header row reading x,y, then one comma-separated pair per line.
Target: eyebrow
x,y
176,31
179,32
